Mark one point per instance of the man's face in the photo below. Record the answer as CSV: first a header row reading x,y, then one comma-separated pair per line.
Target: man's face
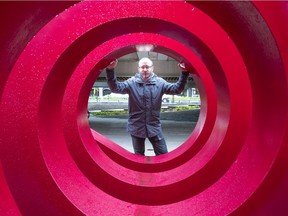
x,y
145,70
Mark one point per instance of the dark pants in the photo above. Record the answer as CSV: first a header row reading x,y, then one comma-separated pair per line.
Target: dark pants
x,y
158,142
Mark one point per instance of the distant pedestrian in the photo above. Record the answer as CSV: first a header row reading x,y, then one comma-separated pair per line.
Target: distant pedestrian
x,y
145,91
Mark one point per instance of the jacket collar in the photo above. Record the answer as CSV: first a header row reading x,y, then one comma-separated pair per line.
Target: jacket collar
x,y
151,80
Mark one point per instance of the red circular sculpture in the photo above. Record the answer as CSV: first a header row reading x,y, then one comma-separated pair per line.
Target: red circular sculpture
x,y
234,162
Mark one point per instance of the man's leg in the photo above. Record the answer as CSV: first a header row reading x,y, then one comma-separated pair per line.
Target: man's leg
x,y
159,144
138,145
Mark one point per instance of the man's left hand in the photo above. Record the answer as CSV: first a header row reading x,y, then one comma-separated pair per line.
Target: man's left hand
x,y
182,67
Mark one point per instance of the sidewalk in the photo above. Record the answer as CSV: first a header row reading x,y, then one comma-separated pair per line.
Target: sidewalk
x,y
175,132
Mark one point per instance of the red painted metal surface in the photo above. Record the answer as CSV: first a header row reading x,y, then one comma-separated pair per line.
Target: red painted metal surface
x,y
234,162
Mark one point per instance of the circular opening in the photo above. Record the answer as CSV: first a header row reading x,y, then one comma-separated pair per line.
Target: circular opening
x,y
121,157
108,112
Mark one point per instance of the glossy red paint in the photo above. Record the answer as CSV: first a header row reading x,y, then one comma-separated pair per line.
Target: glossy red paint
x,y
234,162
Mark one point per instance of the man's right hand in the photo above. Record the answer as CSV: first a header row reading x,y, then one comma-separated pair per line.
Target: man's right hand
x,y
112,64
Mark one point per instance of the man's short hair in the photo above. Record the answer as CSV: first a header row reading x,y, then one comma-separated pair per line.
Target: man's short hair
x,y
145,60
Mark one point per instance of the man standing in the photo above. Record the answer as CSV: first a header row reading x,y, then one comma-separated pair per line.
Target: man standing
x,y
145,91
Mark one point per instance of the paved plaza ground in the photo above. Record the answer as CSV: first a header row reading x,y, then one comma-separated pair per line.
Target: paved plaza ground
x,y
177,127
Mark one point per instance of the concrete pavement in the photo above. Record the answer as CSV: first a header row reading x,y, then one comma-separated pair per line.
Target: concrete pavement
x,y
175,132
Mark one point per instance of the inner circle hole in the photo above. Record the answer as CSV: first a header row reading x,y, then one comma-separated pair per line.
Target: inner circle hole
x,y
108,112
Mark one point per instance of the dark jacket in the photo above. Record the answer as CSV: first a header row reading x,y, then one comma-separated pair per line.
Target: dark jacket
x,y
145,100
